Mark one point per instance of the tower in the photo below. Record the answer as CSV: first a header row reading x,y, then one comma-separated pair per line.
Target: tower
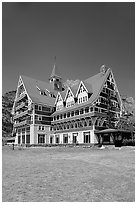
x,y
55,79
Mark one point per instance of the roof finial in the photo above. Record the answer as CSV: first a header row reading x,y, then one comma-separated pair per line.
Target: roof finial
x,y
54,71
55,59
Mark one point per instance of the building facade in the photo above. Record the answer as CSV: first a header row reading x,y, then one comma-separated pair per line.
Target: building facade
x,y
51,113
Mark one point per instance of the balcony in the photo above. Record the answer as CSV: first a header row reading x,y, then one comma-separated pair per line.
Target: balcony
x,y
21,106
22,95
21,114
25,122
42,122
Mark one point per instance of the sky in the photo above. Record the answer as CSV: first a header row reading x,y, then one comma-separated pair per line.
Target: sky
x,y
82,36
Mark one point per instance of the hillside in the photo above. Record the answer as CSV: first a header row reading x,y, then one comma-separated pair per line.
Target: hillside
x,y
7,104
129,106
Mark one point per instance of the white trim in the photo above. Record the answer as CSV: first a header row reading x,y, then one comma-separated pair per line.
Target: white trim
x,y
40,106
81,82
67,93
121,105
107,73
57,97
29,99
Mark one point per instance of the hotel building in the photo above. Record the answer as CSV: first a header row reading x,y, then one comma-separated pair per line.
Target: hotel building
x,y
54,113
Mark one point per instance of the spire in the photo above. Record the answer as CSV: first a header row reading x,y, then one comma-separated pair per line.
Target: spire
x,y
54,71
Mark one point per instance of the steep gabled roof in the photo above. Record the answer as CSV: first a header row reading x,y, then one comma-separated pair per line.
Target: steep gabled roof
x,y
95,85
63,93
88,86
74,88
69,88
57,96
33,92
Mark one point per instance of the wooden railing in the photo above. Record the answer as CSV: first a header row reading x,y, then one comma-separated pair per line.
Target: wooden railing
x,y
21,114
21,106
21,97
25,122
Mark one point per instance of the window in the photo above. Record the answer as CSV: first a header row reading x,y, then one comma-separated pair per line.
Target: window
x,y
68,114
81,111
40,108
43,93
96,109
43,128
28,129
72,113
86,137
75,135
77,112
69,104
39,117
65,138
23,139
90,123
28,139
51,139
59,107
57,139
87,110
23,130
85,123
39,127
19,139
41,138
64,115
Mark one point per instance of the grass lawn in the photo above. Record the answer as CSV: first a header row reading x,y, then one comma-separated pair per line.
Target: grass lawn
x,y
66,174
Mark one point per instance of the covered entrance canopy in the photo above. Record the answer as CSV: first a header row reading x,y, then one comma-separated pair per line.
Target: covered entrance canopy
x,y
111,131
112,136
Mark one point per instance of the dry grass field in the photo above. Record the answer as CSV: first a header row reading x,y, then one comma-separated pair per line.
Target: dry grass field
x,y
68,174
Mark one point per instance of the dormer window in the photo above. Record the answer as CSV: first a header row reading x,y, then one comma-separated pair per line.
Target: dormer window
x,y
43,93
82,93
52,95
69,98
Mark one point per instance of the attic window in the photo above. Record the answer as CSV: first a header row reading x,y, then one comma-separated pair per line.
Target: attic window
x,y
52,95
43,93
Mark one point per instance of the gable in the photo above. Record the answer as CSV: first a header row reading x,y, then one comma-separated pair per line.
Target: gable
x,y
69,94
20,81
21,89
82,88
58,98
110,89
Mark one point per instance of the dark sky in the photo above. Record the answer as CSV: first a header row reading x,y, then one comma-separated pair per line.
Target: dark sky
x,y
83,36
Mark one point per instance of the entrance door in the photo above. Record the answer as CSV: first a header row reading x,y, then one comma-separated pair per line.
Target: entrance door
x,y
75,138
41,138
86,137
51,140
